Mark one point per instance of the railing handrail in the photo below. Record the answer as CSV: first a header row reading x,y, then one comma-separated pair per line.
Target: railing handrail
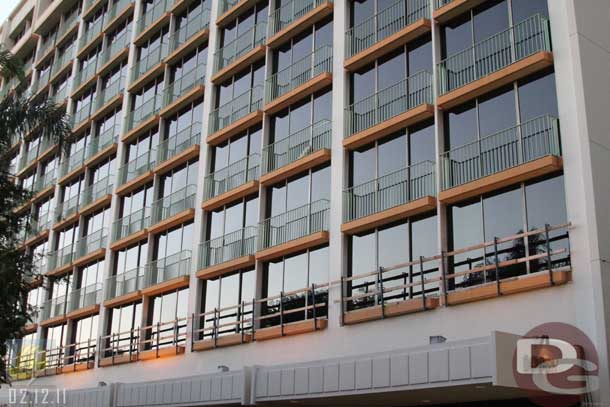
x,y
248,168
225,241
185,193
295,210
379,180
221,61
201,20
275,22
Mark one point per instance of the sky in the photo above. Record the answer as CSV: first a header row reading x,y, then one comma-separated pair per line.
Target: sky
x,y
6,6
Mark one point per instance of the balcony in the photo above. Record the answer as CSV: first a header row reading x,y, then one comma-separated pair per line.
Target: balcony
x,y
229,326
66,212
511,156
167,274
116,51
184,90
44,182
446,10
190,35
231,183
395,196
294,17
301,79
109,97
293,231
153,19
233,251
149,66
84,301
80,118
173,210
85,78
239,53
91,247
296,153
60,261
236,116
39,229
91,37
44,51
65,359
68,27
63,62
96,196
499,60
130,229
228,10
72,165
116,13
386,31
398,106
102,145
53,311
144,116
61,96
136,172
42,82
179,148
124,288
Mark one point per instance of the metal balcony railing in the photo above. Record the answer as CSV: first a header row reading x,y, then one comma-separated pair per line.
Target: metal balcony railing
x,y
115,9
66,358
103,140
294,224
73,161
124,283
138,166
407,94
93,30
151,59
168,268
96,191
230,177
85,74
440,3
153,13
61,257
85,296
174,203
193,24
240,46
179,142
303,70
62,60
394,189
117,44
492,54
183,84
384,24
130,224
55,307
248,102
498,152
112,89
228,247
224,5
290,12
146,110
81,115
297,145
67,208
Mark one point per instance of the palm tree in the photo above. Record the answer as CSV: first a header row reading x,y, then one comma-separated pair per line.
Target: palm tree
x,y
20,114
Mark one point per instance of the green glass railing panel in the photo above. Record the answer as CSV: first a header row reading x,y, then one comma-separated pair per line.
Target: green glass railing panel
x,y
118,44
81,115
248,102
153,57
225,5
93,30
64,59
441,3
240,46
124,283
85,74
143,163
115,9
228,247
153,13
67,208
131,223
74,160
182,140
85,297
103,140
143,112
230,177
174,203
183,84
168,268
111,90
92,242
97,190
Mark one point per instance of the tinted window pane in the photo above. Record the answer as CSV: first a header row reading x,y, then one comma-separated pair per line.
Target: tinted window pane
x,y
538,97
497,113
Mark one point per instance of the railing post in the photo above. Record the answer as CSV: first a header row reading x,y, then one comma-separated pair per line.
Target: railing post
x,y
380,288
157,339
421,277
496,266
282,313
240,316
313,305
548,253
215,327
342,304
444,266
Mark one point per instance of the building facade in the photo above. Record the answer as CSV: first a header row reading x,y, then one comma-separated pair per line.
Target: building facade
x,y
311,201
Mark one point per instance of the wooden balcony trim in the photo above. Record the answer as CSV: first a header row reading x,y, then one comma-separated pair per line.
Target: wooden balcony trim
x,y
518,70
82,126
114,60
390,310
247,189
147,76
239,64
92,9
135,183
84,86
90,257
389,44
419,206
293,246
62,223
179,6
185,216
107,107
45,57
143,127
72,174
301,24
64,69
189,154
166,286
112,24
23,208
119,360
59,271
27,168
49,371
182,101
293,328
234,128
454,9
88,47
43,235
43,91
129,240
36,282
30,328
44,193
123,299
511,176
226,267
83,312
63,39
47,153
222,341
53,321
233,12
408,118
302,164
193,42
96,205
151,29
530,282
161,352
101,155
78,367
313,85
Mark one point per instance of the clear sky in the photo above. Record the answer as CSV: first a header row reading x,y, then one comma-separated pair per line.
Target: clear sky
x,y
6,6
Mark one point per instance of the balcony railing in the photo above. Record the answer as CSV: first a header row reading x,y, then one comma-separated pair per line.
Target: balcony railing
x,y
174,203
489,155
228,247
85,74
67,208
92,242
54,307
93,30
168,268
294,224
297,145
68,24
66,358
111,90
183,84
230,177
224,5
291,11
138,166
153,13
115,9
130,224
60,95
81,115
44,181
384,24
303,70
179,142
491,55
38,225
240,46
63,60
103,140
248,102
85,297
61,257
43,80
73,161
394,189
124,283
441,3
145,111
96,191
46,46
118,43
407,94
154,56
193,24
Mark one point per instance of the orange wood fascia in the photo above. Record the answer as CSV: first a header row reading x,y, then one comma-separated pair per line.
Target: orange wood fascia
x,y
97,204
112,24
454,9
147,76
143,127
48,191
85,311
101,155
90,257
114,60
135,183
294,328
301,24
43,235
187,155
71,175
96,5
161,352
182,101
232,13
119,360
107,107
313,85
191,44
64,38
77,367
249,188
293,246
185,216
222,341
151,29
232,129
72,218
29,328
90,45
170,285
59,271
47,153
390,310
67,67
123,299
129,240
239,64
226,267
76,93
302,164
53,321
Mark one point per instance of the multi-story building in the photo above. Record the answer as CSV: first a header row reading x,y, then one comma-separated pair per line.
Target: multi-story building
x,y
312,201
